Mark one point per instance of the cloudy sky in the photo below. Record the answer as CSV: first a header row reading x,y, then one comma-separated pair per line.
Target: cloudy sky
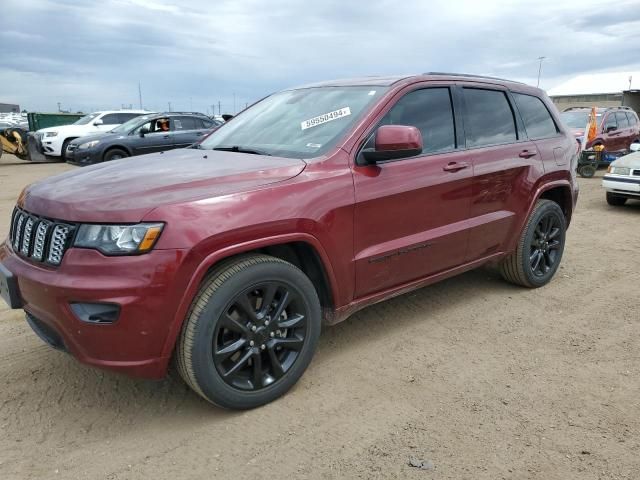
x,y
90,54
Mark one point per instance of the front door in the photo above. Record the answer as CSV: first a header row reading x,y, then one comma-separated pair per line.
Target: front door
x,y
155,140
410,214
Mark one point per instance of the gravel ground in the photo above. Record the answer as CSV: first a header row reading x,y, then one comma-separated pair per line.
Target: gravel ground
x,y
472,378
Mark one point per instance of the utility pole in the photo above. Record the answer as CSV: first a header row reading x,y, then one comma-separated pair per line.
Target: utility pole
x,y
59,107
140,95
169,106
219,108
540,59
234,103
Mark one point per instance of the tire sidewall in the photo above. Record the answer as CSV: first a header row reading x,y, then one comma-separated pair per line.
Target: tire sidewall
x,y
545,209
107,156
207,376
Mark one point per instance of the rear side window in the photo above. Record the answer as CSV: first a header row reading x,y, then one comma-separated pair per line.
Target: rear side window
x,y
111,119
622,120
125,117
632,118
430,111
186,123
536,117
488,118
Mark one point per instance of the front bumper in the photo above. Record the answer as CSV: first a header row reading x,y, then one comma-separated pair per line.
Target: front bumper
x,y
622,184
87,156
144,287
40,149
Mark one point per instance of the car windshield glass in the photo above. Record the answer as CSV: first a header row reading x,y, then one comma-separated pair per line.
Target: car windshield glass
x,y
86,119
131,125
295,123
578,119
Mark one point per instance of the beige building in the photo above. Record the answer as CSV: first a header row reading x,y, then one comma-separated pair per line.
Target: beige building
x,y
598,90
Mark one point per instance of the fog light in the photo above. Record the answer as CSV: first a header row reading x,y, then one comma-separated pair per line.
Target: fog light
x,y
96,312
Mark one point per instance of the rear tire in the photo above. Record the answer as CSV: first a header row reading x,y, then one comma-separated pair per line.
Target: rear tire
x,y
114,154
540,247
587,171
250,333
615,200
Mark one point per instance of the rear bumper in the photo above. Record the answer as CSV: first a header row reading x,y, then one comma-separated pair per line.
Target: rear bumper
x,y
142,286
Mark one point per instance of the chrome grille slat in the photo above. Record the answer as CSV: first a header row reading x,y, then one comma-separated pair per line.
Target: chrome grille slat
x,y
39,239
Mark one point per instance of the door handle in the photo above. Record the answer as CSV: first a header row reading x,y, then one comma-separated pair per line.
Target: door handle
x,y
527,153
455,166
165,136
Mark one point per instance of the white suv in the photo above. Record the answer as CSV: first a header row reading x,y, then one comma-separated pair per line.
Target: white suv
x,y
53,140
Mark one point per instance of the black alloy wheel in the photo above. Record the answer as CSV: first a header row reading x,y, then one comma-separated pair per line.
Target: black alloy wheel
x,y
260,335
545,245
250,333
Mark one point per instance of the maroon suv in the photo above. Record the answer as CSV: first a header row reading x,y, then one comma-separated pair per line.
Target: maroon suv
x,y
314,203
618,127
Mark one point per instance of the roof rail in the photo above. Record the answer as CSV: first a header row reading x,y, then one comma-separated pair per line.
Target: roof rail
x,y
470,75
181,113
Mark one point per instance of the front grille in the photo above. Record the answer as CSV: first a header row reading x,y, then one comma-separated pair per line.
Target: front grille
x,y
636,172
39,239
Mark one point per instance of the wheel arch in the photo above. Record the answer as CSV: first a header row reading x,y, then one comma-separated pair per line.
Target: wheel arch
x,y
302,250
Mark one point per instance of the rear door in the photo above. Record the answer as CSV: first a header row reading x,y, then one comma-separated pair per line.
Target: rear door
x,y
626,133
505,165
187,131
410,214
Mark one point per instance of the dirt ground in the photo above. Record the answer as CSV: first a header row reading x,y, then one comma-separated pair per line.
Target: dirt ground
x,y
483,379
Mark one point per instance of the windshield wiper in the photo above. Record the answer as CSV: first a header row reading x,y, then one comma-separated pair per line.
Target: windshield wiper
x,y
240,149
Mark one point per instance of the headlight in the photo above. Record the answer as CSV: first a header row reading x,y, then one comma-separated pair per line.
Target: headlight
x,y
51,134
84,146
119,239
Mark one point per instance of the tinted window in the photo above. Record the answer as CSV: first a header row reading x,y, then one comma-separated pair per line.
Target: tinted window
x,y
632,118
430,111
622,120
488,118
610,121
536,117
186,123
111,119
125,117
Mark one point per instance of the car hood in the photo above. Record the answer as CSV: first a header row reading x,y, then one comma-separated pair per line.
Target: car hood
x,y
97,136
630,161
125,190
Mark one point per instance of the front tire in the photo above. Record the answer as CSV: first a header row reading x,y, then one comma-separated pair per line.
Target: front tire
x,y
615,200
250,333
114,154
540,247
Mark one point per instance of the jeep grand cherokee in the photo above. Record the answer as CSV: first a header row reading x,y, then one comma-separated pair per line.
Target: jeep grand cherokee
x,y
310,205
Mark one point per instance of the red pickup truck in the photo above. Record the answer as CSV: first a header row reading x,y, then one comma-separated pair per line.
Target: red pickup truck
x,y
315,202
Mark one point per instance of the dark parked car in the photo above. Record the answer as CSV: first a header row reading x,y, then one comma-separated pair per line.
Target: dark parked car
x,y
146,134
618,127
308,206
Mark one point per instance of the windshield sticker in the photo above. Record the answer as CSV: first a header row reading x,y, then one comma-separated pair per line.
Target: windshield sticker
x,y
327,117
314,145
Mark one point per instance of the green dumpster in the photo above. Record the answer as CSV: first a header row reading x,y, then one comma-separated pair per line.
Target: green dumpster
x,y
44,120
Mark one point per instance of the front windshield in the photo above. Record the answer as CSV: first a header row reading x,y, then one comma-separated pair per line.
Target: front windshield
x,y
578,119
86,119
130,125
296,123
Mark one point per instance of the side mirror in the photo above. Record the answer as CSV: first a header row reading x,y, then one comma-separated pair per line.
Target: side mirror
x,y
144,131
98,122
611,128
226,117
393,142
635,147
